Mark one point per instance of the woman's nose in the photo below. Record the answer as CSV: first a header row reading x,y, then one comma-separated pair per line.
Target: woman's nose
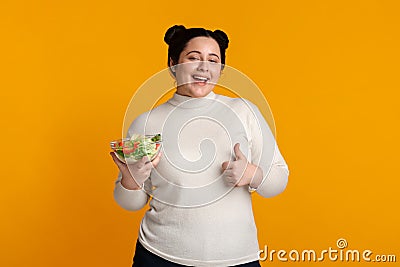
x,y
203,66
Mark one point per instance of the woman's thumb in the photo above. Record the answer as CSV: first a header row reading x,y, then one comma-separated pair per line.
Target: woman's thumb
x,y
238,152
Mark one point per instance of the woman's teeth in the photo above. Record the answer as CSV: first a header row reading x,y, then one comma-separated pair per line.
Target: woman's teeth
x,y
199,78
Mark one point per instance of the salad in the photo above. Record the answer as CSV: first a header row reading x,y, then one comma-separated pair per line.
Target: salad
x,y
137,147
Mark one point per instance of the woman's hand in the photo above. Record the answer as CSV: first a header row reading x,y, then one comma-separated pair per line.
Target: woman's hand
x,y
240,172
134,175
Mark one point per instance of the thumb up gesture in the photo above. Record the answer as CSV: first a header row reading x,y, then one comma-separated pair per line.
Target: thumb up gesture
x,y
238,172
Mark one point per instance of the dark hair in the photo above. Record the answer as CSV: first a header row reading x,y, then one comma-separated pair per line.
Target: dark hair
x,y
178,36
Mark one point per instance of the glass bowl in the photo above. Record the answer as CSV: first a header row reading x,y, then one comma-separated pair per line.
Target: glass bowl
x,y
130,150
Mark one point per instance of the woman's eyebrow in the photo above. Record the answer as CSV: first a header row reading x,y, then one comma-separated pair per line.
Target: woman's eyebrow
x,y
198,52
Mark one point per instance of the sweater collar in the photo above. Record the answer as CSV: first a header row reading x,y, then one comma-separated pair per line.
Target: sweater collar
x,y
188,102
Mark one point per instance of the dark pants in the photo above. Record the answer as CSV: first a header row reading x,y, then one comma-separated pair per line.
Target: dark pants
x,y
144,258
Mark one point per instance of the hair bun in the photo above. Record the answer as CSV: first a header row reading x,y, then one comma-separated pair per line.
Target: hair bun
x,y
171,33
223,38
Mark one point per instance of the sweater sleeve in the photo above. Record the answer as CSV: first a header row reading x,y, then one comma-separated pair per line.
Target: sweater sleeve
x,y
132,199
265,154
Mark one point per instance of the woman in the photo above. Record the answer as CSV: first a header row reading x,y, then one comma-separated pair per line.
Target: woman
x,y
201,212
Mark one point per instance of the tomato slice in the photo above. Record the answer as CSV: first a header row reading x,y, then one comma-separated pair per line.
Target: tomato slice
x,y
128,150
135,145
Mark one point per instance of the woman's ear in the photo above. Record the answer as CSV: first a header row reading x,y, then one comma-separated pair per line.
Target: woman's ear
x,y
172,66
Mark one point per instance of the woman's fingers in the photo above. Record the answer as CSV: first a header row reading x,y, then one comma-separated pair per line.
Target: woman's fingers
x,y
116,160
142,162
139,170
232,172
230,179
156,160
227,165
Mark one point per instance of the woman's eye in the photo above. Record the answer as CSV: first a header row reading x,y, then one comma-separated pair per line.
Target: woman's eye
x,y
193,58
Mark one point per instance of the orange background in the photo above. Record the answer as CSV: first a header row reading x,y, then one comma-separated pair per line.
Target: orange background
x,y
329,70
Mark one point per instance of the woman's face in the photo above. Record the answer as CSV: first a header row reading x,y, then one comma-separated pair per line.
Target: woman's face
x,y
199,67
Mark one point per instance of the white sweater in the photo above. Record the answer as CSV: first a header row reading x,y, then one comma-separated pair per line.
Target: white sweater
x,y
195,218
